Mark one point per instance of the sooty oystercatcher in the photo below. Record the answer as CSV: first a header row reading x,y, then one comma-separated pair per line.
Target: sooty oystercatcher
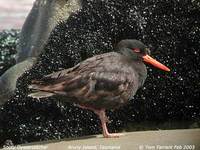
x,y
101,82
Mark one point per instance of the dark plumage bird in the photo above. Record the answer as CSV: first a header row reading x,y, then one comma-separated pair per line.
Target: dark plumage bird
x,y
105,81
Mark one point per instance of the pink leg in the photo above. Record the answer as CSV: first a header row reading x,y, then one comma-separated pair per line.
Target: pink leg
x,y
96,111
102,116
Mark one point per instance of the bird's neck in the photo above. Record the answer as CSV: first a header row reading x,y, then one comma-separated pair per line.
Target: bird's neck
x,y
137,64
141,70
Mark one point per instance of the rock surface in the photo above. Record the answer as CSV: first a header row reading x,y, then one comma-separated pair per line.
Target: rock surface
x,y
154,140
43,17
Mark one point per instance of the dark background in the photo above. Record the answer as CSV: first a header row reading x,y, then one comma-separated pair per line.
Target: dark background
x,y
167,101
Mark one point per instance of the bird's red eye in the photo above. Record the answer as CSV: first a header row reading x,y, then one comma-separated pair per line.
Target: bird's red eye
x,y
137,50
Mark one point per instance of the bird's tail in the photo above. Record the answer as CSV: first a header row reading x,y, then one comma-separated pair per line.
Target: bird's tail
x,y
39,90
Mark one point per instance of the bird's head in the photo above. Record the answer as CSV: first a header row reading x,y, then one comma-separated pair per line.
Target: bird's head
x,y
136,50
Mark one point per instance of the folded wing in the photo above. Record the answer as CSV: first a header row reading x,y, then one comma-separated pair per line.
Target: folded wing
x,y
100,77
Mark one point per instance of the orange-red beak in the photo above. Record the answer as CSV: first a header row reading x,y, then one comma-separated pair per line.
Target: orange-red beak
x,y
150,60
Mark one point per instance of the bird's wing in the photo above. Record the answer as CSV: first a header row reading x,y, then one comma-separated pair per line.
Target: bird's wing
x,y
100,76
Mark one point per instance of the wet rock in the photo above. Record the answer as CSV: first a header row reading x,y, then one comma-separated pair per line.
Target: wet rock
x,y
44,16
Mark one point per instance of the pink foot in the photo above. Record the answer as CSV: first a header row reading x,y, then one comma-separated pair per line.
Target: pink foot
x,y
113,135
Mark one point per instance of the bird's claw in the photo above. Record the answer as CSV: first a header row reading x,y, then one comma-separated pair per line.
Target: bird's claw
x,y
113,135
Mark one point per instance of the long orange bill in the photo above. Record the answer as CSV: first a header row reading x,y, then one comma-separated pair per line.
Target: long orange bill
x,y
155,63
